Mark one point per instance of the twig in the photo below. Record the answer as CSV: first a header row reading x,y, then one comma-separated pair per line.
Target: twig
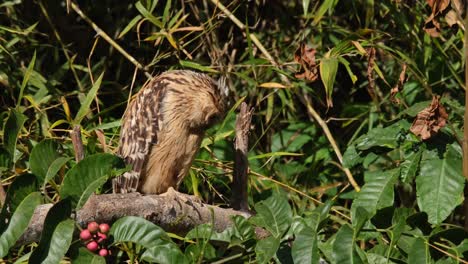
x,y
323,125
107,38
75,135
239,199
2,195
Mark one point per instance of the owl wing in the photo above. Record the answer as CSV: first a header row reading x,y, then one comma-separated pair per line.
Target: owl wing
x,y
140,126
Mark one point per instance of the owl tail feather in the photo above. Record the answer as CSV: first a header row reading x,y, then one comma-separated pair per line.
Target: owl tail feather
x,y
126,183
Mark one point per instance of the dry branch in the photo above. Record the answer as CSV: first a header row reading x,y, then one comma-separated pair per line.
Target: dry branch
x,y
239,200
173,215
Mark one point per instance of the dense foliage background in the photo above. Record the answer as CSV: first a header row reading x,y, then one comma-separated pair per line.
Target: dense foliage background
x,y
324,77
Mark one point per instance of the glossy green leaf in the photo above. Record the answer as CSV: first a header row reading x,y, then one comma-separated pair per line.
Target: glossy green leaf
x,y
89,174
376,193
381,137
440,183
243,230
19,222
206,232
343,247
84,256
200,250
55,167
164,252
351,157
85,106
42,156
12,129
21,187
274,214
410,166
304,248
328,69
56,236
137,230
266,249
419,252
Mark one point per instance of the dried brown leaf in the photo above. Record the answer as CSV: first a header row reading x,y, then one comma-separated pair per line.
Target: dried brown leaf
x,y
370,73
398,86
305,56
430,120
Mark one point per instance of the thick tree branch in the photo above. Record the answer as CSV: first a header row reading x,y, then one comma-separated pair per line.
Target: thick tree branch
x,y
173,215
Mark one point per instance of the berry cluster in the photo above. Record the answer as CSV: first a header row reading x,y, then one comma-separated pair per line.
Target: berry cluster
x,y
95,237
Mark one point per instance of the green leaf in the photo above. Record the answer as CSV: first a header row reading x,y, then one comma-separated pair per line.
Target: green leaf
x,y
148,15
410,166
419,252
440,183
200,250
42,156
55,167
19,222
328,69
196,66
324,7
305,6
129,26
376,193
274,214
84,256
243,230
26,77
206,232
266,249
88,175
5,160
387,137
351,157
21,187
164,252
12,128
85,106
304,248
137,230
416,108
343,247
56,236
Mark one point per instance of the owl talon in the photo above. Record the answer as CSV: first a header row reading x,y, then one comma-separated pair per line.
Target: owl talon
x,y
182,197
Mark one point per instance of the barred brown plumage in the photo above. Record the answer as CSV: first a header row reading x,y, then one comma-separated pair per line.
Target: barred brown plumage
x,y
162,129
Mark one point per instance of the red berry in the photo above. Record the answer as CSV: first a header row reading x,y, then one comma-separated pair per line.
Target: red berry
x,y
85,235
104,228
92,246
103,252
93,227
101,237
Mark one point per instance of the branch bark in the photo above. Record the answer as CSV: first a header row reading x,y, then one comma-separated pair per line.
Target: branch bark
x,y
239,200
75,135
173,215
